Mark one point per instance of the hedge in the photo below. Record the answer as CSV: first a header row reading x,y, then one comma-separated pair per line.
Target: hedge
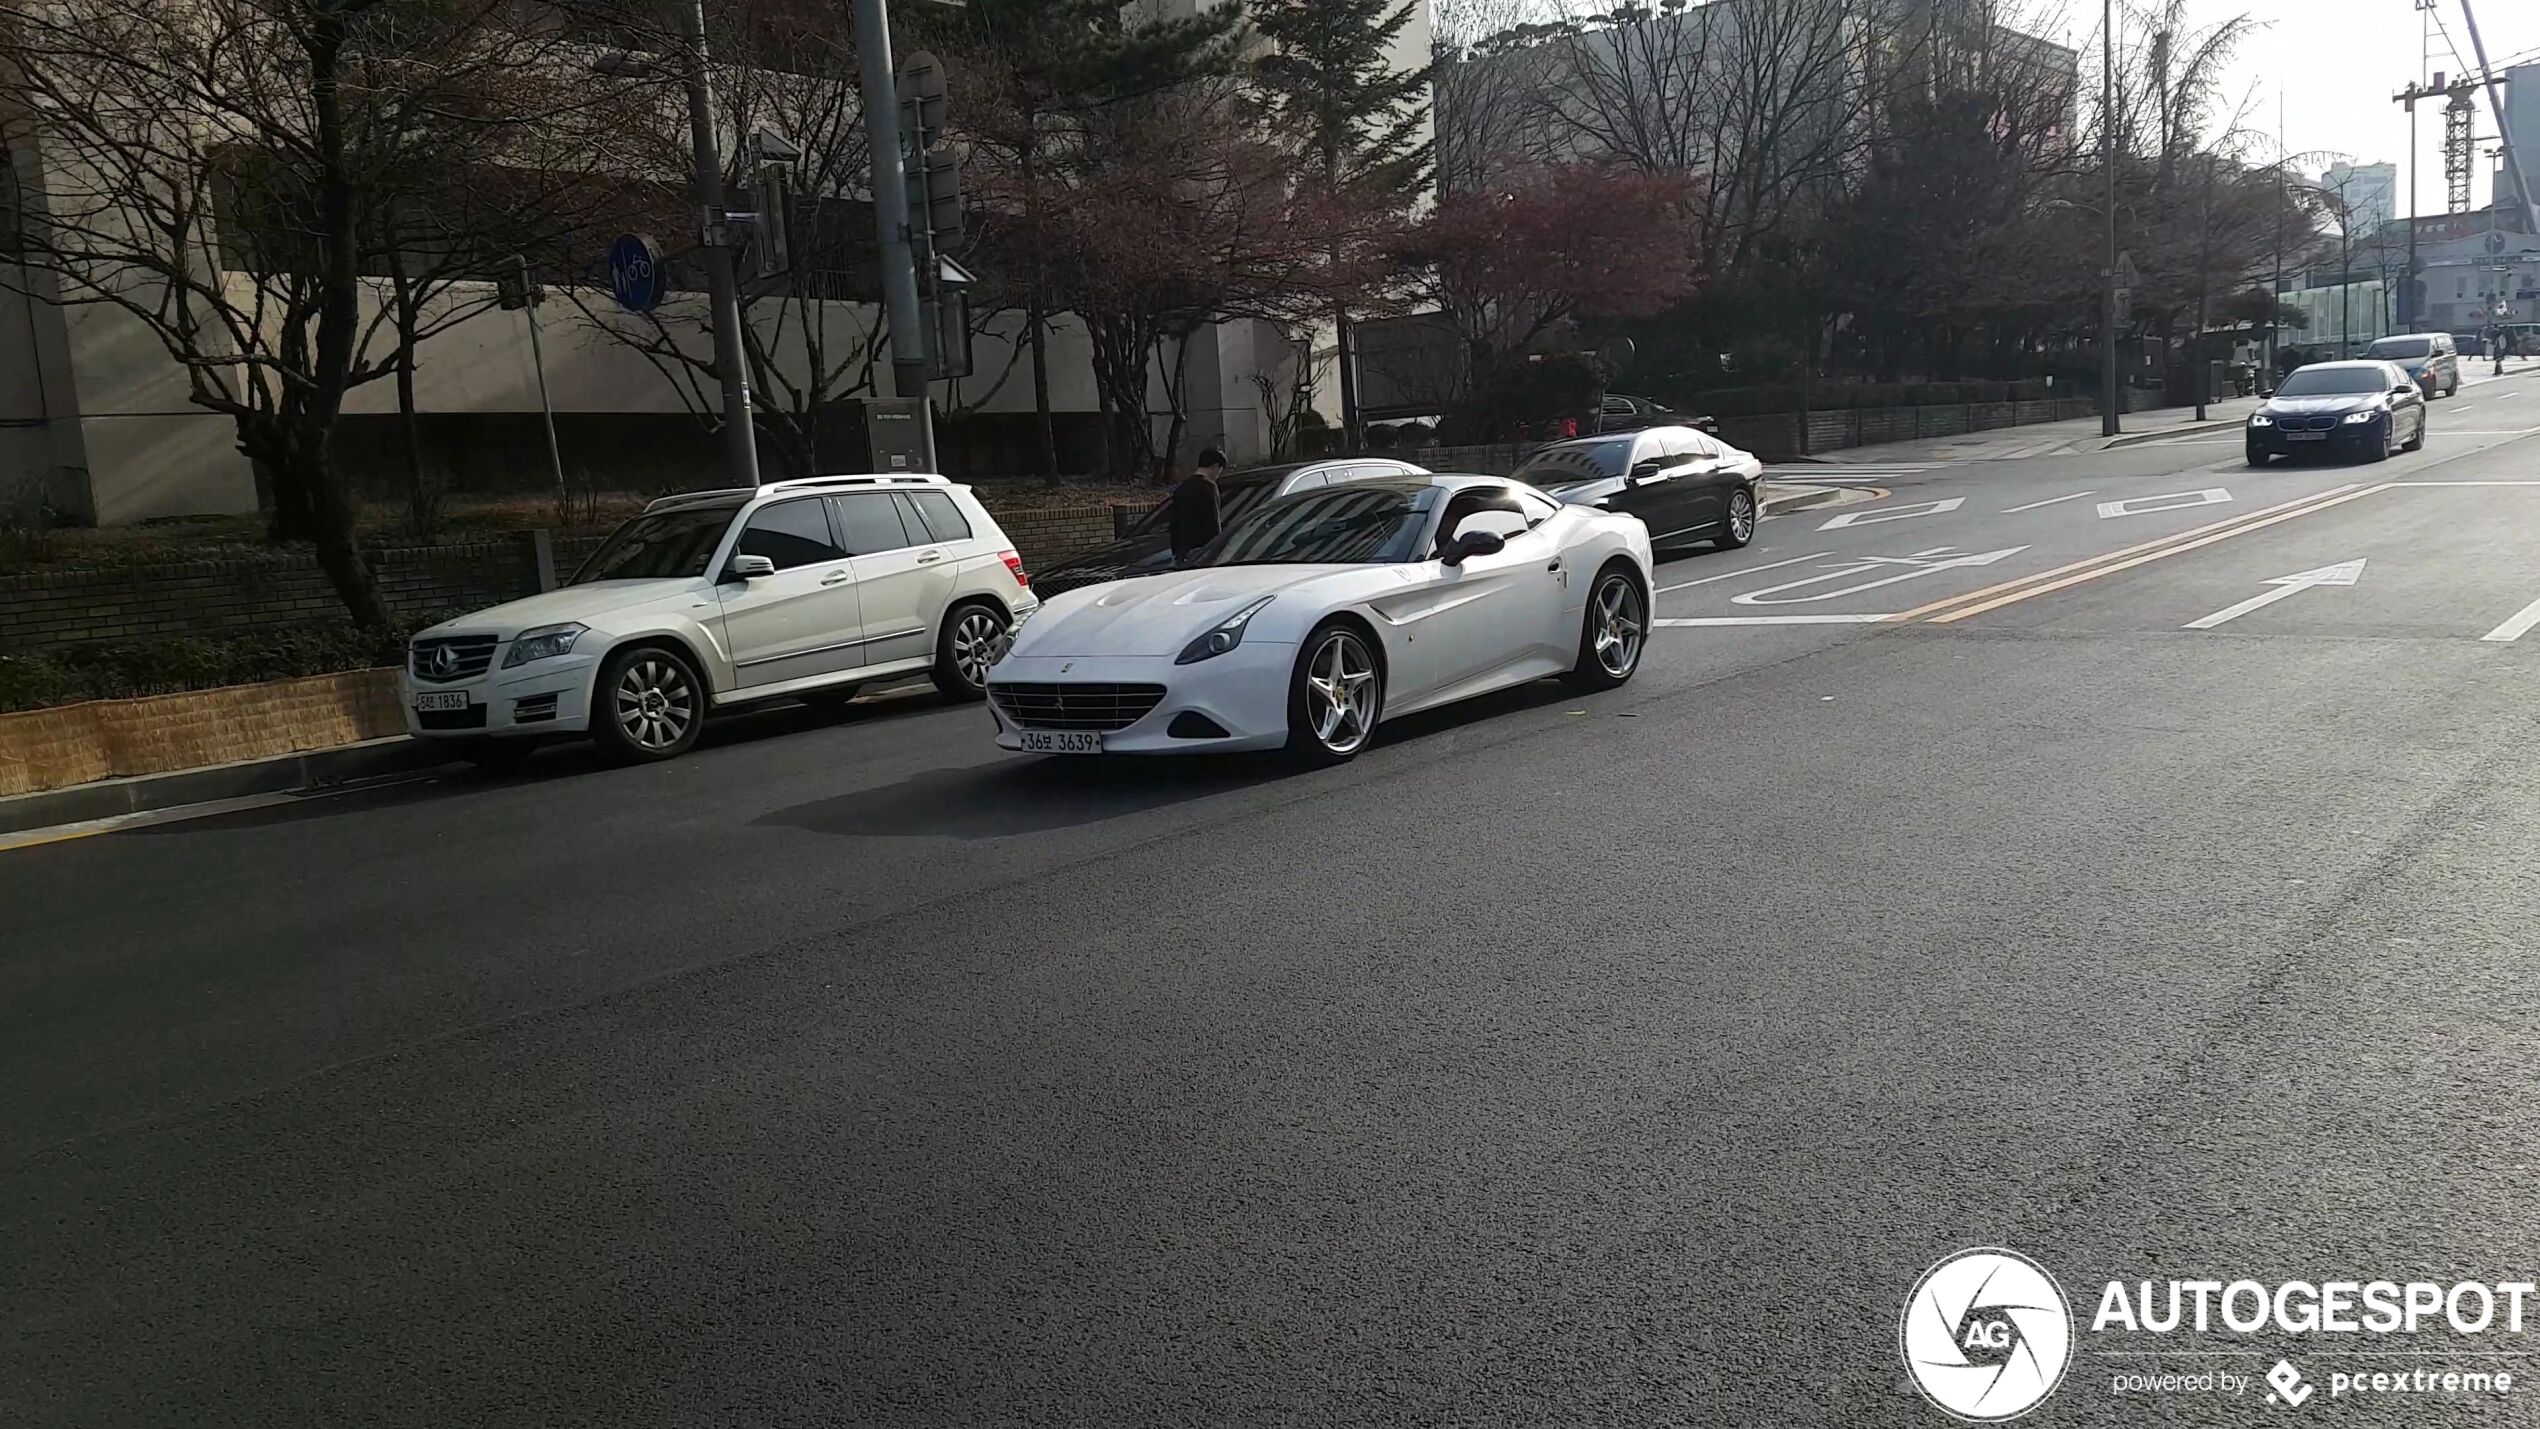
x,y
72,673
1830,397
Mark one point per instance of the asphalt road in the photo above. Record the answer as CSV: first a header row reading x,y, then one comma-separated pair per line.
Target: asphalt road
x,y
1620,1060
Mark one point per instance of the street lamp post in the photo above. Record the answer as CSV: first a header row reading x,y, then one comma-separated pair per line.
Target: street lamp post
x,y
740,436
2109,426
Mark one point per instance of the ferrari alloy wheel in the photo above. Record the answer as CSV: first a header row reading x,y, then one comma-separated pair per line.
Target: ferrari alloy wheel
x,y
1616,630
1337,696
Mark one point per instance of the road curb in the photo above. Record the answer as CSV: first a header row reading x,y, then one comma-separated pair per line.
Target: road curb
x,y
1801,500
283,774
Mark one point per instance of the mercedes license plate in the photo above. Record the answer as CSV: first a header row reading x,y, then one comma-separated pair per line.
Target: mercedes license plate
x,y
2306,436
448,700
1061,741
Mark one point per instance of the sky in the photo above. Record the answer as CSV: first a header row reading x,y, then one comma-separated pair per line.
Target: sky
x,y
2334,65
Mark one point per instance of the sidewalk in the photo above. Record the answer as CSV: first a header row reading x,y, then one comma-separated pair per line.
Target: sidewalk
x,y
2046,438
2082,434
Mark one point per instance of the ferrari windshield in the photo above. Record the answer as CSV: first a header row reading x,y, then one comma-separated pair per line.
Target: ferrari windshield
x,y
1365,523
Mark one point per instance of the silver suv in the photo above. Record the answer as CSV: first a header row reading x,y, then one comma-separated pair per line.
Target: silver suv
x,y
718,599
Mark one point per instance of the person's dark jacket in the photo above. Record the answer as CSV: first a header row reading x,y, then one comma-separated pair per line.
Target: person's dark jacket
x,y
1193,519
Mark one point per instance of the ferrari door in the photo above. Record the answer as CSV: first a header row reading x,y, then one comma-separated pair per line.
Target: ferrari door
x,y
1487,620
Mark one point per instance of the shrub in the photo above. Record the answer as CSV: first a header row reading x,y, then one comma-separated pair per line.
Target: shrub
x,y
38,678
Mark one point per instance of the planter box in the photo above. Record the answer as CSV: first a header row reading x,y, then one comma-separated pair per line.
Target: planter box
x,y
113,739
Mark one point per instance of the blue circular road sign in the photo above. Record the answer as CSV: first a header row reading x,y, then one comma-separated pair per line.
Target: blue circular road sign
x,y
635,273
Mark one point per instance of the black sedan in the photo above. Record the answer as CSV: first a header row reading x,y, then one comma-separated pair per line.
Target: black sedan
x,y
1685,485
2367,409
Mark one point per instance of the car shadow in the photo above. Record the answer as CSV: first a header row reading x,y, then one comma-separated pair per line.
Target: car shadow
x,y
566,759
1026,795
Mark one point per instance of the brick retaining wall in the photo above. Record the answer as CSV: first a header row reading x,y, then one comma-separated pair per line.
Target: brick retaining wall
x,y
110,739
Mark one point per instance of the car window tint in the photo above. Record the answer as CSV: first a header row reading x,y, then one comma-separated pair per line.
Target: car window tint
x,y
941,515
1538,509
871,523
1680,445
792,533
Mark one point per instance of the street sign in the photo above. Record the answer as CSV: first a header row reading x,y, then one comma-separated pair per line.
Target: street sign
x,y
636,278
924,93
931,167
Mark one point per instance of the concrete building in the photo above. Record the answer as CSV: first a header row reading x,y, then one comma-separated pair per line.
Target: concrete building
x,y
2369,191
96,425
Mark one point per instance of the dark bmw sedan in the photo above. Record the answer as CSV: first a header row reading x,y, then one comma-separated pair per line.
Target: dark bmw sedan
x,y
1148,548
2366,409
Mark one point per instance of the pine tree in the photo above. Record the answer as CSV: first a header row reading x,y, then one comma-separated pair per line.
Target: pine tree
x,y
1052,65
1331,81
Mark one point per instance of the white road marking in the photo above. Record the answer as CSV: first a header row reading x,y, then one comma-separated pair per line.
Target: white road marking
x,y
1921,563
2462,483
1733,575
2032,506
1893,513
2174,501
2514,629
1674,620
2343,573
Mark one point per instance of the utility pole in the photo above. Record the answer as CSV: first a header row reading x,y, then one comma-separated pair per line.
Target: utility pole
x,y
2409,318
890,197
2487,78
740,434
2108,423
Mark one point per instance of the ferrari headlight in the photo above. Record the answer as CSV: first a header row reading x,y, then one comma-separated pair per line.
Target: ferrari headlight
x,y
2261,419
544,643
1221,637
2359,418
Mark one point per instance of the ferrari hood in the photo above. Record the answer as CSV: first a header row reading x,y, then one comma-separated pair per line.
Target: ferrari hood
x,y
1159,614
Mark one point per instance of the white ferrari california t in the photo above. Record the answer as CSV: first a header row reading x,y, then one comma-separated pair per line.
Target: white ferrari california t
x,y
1313,618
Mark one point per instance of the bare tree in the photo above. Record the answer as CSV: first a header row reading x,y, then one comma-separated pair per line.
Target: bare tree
x,y
213,172
811,336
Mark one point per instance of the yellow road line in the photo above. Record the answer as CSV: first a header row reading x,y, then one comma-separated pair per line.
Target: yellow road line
x,y
1921,611
2097,571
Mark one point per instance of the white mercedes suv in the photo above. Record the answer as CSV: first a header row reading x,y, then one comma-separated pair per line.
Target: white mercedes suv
x,y
805,589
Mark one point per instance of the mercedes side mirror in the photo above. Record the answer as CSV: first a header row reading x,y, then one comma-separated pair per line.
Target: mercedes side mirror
x,y
750,568
2403,389
1648,468
1474,543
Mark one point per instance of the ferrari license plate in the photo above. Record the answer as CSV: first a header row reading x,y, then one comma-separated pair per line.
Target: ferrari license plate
x,y
446,700
1061,741
2306,436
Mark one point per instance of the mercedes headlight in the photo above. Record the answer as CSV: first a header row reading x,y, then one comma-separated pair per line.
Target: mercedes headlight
x,y
2359,418
1221,637
2261,419
544,643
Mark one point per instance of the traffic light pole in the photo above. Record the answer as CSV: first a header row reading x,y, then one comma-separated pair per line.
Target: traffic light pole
x,y
909,370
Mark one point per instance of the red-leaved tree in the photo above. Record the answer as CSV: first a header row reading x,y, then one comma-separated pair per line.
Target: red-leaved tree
x,y
1515,265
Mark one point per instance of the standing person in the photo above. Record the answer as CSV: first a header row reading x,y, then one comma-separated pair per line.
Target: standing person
x,y
1194,515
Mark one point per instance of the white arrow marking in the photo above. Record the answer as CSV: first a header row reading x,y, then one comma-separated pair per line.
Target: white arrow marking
x,y
1733,575
1893,513
2343,573
2174,501
1922,563
1682,620
2514,629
